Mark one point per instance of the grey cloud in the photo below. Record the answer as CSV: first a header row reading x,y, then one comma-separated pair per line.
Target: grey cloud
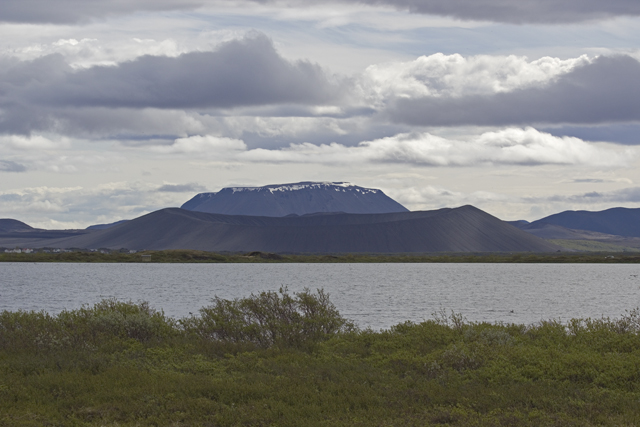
x,y
79,207
589,180
182,188
606,90
46,94
519,11
75,11
240,73
621,133
624,195
17,79
10,166
507,11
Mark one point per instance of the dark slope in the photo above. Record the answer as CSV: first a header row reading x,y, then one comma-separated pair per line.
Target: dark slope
x,y
618,221
197,200
105,226
552,231
299,199
8,225
520,223
465,229
38,238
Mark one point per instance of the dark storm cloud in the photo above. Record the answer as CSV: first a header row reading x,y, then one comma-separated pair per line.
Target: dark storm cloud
x,y
244,72
507,11
9,166
606,90
182,188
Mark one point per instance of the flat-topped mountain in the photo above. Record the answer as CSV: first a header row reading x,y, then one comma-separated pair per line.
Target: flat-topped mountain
x,y
294,199
464,229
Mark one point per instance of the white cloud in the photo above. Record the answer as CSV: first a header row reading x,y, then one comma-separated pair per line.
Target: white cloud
x,y
79,207
529,206
529,146
107,48
34,142
203,145
426,197
511,146
442,75
65,162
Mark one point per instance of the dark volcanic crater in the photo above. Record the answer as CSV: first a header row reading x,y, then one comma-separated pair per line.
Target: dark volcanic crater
x,y
464,229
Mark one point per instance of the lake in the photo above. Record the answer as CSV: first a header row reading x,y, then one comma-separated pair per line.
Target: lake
x,y
373,295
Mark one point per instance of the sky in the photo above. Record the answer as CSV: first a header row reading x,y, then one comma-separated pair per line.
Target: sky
x,y
112,109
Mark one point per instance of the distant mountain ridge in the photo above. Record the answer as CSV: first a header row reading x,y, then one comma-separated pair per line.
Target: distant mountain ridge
x,y
8,225
104,226
614,221
294,199
464,229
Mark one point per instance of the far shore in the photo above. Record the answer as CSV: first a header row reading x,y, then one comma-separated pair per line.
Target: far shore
x,y
192,256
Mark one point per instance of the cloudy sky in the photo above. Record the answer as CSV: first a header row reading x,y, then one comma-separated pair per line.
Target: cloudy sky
x,y
111,109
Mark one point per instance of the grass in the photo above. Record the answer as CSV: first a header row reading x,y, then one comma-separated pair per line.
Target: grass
x,y
593,246
192,256
124,364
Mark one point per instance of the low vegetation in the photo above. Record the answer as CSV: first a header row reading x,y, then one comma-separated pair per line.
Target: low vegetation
x,y
277,359
594,246
191,256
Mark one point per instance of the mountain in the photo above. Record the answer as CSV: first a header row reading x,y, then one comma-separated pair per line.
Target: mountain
x,y
104,226
464,229
616,221
197,200
8,225
298,199
520,223
552,231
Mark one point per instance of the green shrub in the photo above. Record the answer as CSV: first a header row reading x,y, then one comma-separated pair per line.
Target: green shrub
x,y
101,324
125,364
113,319
28,330
270,318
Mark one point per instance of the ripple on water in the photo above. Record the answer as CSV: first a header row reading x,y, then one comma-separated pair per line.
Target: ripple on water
x,y
373,295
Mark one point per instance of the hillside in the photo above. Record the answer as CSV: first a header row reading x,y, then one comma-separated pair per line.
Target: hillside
x,y
13,225
105,226
294,199
616,221
464,229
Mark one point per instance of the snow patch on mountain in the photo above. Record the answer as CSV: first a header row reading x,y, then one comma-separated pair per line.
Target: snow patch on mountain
x,y
295,199
336,186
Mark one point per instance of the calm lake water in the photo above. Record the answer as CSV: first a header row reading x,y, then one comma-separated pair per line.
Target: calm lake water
x,y
373,295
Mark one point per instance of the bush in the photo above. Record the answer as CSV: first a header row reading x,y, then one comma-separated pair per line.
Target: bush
x,y
106,321
270,318
26,329
113,318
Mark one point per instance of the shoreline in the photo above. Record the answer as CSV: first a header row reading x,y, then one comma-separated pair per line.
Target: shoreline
x,y
193,256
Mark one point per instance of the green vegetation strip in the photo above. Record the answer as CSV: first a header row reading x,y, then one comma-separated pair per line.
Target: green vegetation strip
x,y
592,246
276,359
191,256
